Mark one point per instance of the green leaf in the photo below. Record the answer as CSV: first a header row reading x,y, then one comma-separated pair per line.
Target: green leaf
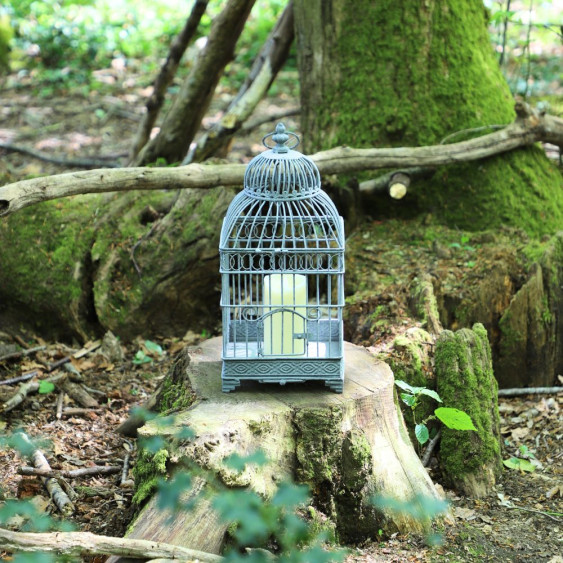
x,y
153,347
141,358
421,433
408,399
431,393
290,495
46,387
520,464
454,418
406,387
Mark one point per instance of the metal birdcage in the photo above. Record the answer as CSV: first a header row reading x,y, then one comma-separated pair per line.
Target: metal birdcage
x,y
282,269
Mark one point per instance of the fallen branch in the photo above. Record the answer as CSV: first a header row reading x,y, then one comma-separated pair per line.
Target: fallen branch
x,y
70,474
26,388
73,411
20,378
53,159
529,128
85,543
529,391
21,353
59,497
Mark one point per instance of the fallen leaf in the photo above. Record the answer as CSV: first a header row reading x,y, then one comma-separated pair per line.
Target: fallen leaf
x,y
464,513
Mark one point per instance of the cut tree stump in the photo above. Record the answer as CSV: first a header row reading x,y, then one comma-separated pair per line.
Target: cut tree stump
x,y
346,447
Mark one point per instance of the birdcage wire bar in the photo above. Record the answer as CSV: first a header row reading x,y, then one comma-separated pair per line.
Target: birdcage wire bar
x,y
282,267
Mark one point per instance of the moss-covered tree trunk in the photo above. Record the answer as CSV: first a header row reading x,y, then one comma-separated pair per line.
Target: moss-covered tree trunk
x,y
400,73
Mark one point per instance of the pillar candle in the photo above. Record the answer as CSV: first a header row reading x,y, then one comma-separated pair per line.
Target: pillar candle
x,y
288,291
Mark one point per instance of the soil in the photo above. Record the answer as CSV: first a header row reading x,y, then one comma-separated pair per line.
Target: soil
x,y
522,520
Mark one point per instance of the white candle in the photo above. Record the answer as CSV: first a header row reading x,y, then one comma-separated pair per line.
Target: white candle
x,y
287,291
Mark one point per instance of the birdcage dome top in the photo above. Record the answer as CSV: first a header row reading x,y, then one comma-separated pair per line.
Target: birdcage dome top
x,y
281,173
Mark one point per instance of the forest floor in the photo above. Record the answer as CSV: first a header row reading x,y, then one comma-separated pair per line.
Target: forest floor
x,y
521,521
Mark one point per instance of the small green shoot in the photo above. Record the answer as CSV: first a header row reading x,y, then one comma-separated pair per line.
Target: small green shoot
x,y
450,417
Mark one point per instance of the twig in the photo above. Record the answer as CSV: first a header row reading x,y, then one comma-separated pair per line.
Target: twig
x,y
85,351
59,409
529,391
70,474
60,498
20,378
505,28
272,117
21,353
85,543
70,163
125,470
494,127
430,448
72,411
514,507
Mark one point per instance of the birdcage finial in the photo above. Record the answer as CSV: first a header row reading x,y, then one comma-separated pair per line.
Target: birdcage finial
x,y
281,136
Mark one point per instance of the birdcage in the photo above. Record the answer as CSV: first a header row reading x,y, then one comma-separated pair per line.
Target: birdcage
x,y
282,269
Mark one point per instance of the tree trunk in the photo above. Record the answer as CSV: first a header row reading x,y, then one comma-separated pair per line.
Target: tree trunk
x,y
184,118
347,447
411,73
269,61
166,75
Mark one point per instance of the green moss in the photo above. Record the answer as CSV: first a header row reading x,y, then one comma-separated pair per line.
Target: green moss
x,y
356,460
466,382
44,262
149,468
319,444
321,525
174,395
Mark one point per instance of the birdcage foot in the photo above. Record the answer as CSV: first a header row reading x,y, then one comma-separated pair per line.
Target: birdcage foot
x,y
335,385
229,384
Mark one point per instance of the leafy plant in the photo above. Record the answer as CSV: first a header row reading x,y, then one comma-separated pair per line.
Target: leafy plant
x,y
450,417
526,461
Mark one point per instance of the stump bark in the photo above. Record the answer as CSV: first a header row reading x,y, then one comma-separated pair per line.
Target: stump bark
x,y
346,447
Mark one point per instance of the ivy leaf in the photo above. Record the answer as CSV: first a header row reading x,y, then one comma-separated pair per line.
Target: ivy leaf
x,y
46,387
421,433
431,393
454,418
408,399
520,464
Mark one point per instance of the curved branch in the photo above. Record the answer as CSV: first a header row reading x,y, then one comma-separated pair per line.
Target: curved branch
x,y
529,127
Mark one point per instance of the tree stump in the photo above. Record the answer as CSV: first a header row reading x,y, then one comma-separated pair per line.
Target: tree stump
x,y
346,447
464,373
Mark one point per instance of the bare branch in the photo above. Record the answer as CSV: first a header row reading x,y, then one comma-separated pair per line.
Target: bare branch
x,y
529,127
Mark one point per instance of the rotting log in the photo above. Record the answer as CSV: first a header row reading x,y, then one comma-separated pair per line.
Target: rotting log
x,y
346,447
528,128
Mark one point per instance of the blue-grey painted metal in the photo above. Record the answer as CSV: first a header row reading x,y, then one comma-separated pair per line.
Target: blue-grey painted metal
x,y
282,270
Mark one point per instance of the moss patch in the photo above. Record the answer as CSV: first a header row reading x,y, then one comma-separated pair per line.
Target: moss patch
x,y
44,265
149,468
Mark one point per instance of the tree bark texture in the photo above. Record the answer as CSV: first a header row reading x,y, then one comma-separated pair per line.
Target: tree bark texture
x,y
346,447
166,75
528,128
410,73
269,61
184,117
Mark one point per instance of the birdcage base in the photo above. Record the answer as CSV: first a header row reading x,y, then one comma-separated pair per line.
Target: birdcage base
x,y
283,371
